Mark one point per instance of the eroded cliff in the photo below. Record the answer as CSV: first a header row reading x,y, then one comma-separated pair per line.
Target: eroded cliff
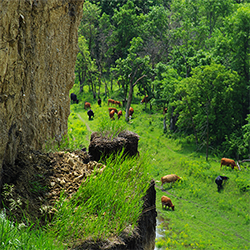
x,y
38,47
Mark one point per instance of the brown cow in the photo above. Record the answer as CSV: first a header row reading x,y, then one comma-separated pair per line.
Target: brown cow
x,y
111,101
227,162
170,178
130,112
145,99
87,105
118,103
119,114
165,110
110,109
111,114
165,201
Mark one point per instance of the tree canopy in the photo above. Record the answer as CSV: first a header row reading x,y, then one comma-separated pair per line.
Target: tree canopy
x,y
190,56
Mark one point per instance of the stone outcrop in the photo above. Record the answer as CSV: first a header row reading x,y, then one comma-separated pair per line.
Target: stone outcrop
x,y
38,48
104,145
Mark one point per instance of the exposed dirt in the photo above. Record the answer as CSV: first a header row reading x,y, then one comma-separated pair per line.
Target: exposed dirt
x,y
39,180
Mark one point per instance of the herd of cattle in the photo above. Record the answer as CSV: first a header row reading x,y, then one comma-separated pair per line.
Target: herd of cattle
x,y
172,178
112,111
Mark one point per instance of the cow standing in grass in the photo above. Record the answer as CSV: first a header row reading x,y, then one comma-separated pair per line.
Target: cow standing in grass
x,y
87,105
171,178
166,201
73,98
99,101
227,162
90,113
219,180
111,114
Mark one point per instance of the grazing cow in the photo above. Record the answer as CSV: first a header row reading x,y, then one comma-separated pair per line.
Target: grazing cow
x,y
87,105
171,178
99,101
90,113
110,109
165,201
130,112
219,179
227,162
145,99
73,98
165,110
119,114
111,114
118,103
111,101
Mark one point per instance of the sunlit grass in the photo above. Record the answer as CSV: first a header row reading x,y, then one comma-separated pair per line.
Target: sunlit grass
x,y
20,236
203,218
105,204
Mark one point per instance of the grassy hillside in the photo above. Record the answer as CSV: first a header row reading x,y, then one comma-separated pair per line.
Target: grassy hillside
x,y
203,218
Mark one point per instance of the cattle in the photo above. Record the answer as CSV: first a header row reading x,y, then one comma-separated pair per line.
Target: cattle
x,y
73,98
87,105
227,162
118,103
111,114
90,113
130,112
111,101
166,201
171,178
165,110
145,99
110,109
219,179
119,114
99,101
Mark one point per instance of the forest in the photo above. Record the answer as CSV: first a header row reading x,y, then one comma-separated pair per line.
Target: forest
x,y
192,57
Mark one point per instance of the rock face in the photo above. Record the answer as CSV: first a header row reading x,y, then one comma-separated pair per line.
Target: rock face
x,y
38,47
105,146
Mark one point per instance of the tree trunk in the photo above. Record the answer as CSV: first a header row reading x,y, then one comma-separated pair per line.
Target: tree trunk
x,y
207,136
129,101
164,124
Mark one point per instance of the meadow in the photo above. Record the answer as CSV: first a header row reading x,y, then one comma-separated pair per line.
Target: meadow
x,y
203,218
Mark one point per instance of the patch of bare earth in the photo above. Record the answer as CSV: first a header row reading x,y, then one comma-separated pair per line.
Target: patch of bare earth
x,y
39,180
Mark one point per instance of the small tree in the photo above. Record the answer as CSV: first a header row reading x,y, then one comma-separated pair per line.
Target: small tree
x,y
131,70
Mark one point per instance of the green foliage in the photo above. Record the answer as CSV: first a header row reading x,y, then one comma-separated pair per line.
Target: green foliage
x,y
202,98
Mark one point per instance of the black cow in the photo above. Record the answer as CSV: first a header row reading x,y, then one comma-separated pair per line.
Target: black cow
x,y
90,113
99,102
73,98
219,179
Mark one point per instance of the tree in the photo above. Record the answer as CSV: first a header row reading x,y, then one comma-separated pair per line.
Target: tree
x,y
205,102
232,49
132,69
127,26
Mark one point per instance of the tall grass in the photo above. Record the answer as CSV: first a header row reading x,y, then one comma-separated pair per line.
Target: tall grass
x,y
22,237
110,128
105,204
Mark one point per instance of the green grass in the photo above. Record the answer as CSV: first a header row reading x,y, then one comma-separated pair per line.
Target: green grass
x,y
203,218
22,237
105,204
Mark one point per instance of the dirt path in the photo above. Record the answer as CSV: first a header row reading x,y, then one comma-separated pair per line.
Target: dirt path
x,y
88,127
